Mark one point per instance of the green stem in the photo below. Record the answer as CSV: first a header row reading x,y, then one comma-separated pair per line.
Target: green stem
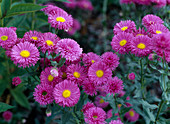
x,y
142,79
119,112
159,110
33,17
77,121
2,22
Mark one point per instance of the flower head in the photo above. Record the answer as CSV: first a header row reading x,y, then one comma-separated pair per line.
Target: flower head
x,y
159,3
157,29
25,54
99,102
76,26
131,76
71,4
132,116
140,32
85,4
7,115
87,106
16,81
66,93
43,94
69,49
142,2
115,122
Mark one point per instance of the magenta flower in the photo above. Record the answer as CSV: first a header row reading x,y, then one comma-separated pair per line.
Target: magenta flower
x,y
99,73
25,54
127,26
99,102
140,32
114,85
115,122
125,1
109,114
66,93
95,115
16,81
76,26
60,19
158,29
43,94
8,37
142,2
72,4
87,106
141,46
150,19
7,115
132,116
159,3
131,76
50,8
47,62
152,56
69,49
85,4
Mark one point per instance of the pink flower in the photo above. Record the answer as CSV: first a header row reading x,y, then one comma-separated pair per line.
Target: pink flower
x,y
157,29
152,56
132,116
125,1
99,102
141,46
43,94
66,93
25,54
7,115
121,93
99,73
127,26
50,8
115,122
140,32
87,106
143,2
114,85
131,76
76,26
159,3
120,42
150,19
95,115
110,59
16,81
72,4
60,19
69,49
47,62
109,114
85,4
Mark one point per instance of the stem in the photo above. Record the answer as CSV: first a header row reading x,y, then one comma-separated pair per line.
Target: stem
x,y
2,22
159,110
33,17
119,112
142,79
77,121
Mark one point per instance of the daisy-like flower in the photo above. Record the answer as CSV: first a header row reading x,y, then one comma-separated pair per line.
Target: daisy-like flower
x,y
43,94
95,115
90,58
99,72
60,19
159,3
47,78
140,32
25,54
114,85
115,122
48,42
132,116
120,42
85,4
131,76
76,73
66,93
152,56
89,87
72,4
87,106
69,49
142,2
8,37
150,19
16,81
141,46
7,115
157,29
50,8
109,114
110,59
127,26
33,37
99,102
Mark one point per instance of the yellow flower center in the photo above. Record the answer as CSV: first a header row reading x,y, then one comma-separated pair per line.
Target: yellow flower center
x,y
141,46
131,113
25,53
122,42
64,76
66,93
99,73
158,32
139,35
49,42
34,38
50,78
101,101
76,74
119,105
4,38
94,116
92,61
60,19
124,28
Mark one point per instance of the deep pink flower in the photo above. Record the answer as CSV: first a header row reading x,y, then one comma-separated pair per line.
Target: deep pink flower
x,y
132,116
125,1
47,62
43,94
71,4
95,115
25,54
127,26
99,102
121,93
109,114
150,19
89,87
110,59
85,4
50,8
66,93
140,32
76,26
152,56
120,42
157,29
115,122
99,73
87,106
159,3
142,2
69,49
131,76
16,81
141,46
7,115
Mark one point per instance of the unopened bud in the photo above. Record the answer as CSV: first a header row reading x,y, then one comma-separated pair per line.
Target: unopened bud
x,y
54,72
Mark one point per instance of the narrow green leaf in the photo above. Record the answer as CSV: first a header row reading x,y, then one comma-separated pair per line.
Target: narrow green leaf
x,y
63,1
3,86
23,8
5,5
147,105
15,22
61,62
4,107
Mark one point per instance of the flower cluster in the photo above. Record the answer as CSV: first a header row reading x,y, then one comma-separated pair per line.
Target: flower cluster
x,y
142,42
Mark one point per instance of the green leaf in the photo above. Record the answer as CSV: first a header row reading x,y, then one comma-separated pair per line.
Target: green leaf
x,y
63,1
15,22
20,98
147,105
61,62
23,8
5,5
3,86
4,107
66,117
